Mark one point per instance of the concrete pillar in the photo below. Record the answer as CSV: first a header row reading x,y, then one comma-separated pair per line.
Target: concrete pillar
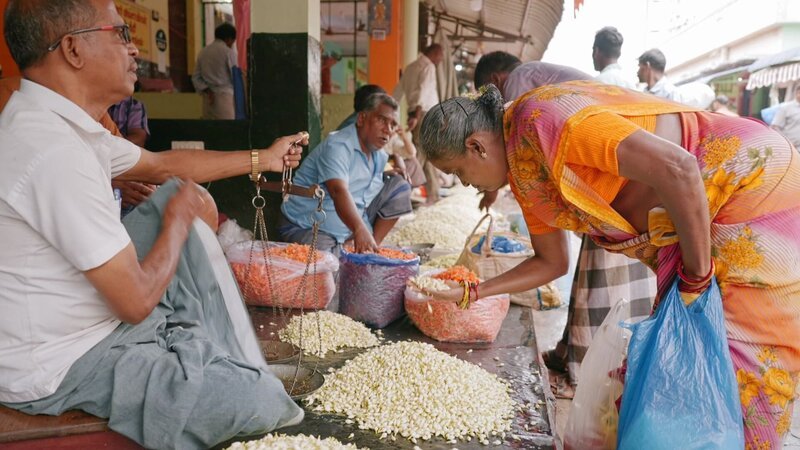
x,y
283,77
284,72
410,31
286,16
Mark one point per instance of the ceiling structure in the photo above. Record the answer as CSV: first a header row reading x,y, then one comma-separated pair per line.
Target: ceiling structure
x,y
523,28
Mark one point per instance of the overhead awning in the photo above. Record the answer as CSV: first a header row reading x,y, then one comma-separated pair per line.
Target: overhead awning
x,y
774,75
523,28
713,76
710,75
787,56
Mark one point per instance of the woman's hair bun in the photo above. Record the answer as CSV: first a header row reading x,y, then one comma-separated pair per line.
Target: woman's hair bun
x,y
490,98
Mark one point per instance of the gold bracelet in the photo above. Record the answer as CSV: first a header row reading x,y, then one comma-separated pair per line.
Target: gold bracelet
x,y
255,174
464,304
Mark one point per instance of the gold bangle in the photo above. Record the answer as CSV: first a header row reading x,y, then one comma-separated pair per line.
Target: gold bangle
x,y
255,174
464,304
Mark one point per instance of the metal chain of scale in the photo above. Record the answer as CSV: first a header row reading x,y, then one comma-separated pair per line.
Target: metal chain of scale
x,y
260,234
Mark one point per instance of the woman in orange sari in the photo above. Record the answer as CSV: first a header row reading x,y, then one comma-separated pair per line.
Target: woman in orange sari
x,y
690,193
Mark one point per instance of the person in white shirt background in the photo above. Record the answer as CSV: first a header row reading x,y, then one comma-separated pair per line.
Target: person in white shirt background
x,y
787,120
606,51
418,85
213,77
652,64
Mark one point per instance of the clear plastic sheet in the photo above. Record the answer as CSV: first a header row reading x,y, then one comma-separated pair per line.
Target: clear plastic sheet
x,y
593,416
247,262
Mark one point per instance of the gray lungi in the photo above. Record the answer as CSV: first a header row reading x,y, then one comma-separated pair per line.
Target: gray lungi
x,y
601,279
191,375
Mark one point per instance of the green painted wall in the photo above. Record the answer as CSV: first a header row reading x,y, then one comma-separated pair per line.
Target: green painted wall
x,y
335,108
172,105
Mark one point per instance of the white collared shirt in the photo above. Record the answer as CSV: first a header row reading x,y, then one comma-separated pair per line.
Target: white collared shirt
x,y
613,74
695,94
663,88
418,84
58,219
213,68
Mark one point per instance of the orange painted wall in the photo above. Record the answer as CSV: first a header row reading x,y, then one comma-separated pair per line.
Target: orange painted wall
x,y
9,67
385,57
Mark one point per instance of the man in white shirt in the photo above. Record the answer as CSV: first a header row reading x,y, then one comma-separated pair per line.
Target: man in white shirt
x,y
213,76
93,318
652,64
787,120
651,72
721,104
605,54
418,85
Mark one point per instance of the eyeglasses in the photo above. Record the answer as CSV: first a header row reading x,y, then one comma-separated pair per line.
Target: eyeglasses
x,y
123,30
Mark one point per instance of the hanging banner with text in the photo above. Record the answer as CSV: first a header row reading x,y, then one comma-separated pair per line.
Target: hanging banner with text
x,y
138,19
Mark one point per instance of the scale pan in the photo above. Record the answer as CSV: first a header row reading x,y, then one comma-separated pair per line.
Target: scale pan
x,y
308,381
277,352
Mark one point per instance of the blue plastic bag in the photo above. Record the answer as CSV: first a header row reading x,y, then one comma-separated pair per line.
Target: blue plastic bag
x,y
376,259
372,287
768,114
500,244
680,388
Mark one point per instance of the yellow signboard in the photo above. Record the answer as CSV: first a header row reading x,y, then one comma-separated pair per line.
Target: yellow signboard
x,y
138,19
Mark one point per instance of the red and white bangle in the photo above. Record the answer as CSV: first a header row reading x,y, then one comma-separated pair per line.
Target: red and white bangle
x,y
695,283
473,287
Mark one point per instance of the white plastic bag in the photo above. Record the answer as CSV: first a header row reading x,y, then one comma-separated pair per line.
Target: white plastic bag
x,y
593,415
230,233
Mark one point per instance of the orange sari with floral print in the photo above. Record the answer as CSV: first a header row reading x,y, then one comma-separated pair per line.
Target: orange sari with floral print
x,y
561,145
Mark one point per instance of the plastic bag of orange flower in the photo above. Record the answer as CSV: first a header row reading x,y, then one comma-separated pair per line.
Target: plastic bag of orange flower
x,y
445,321
252,265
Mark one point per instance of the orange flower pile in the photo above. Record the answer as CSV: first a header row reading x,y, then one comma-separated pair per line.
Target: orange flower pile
x,y
446,322
458,274
295,252
390,253
254,284
288,265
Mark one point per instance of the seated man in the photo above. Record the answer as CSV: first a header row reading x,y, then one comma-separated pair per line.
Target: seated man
x,y
401,150
139,323
359,101
361,203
